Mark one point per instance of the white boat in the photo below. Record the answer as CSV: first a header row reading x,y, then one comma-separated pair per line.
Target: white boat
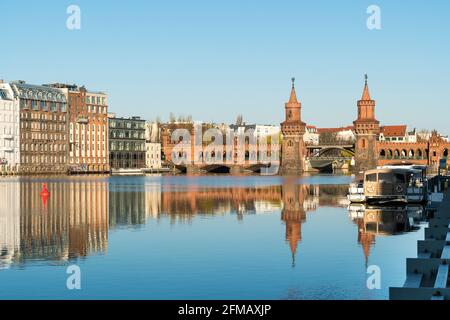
x,y
127,172
390,184
356,193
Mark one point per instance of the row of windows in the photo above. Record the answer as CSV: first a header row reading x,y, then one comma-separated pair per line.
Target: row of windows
x,y
395,139
43,159
91,127
8,117
153,156
43,126
86,138
126,124
41,116
39,147
7,143
43,136
418,154
86,147
43,105
9,130
125,134
89,160
127,146
96,100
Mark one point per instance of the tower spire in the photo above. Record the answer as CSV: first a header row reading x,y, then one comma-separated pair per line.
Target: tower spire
x,y
293,98
366,93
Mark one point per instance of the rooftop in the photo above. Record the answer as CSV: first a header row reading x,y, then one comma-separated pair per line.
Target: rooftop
x,y
34,92
394,131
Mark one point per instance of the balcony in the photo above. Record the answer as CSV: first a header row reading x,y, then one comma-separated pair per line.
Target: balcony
x,y
83,120
7,149
8,136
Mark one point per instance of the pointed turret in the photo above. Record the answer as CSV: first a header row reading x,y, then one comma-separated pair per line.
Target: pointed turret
x,y
293,107
293,98
293,129
366,106
367,129
293,236
366,93
366,240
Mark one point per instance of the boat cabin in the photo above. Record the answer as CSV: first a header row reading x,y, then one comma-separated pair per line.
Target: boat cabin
x,y
389,184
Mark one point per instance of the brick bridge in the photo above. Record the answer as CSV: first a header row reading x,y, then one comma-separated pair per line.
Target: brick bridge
x,y
329,157
294,156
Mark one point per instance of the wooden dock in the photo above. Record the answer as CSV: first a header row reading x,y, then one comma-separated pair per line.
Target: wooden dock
x,y
428,275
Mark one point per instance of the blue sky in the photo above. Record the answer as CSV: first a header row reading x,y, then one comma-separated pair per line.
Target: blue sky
x,y
216,59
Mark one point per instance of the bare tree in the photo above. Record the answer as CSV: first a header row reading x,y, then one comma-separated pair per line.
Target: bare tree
x,y
239,120
172,118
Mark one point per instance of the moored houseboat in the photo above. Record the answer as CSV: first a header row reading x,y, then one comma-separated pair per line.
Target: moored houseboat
x,y
390,184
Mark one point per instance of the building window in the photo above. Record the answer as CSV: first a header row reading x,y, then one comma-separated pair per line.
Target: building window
x,y
363,143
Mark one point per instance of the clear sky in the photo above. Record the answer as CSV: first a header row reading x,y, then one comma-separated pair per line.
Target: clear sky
x,y
216,59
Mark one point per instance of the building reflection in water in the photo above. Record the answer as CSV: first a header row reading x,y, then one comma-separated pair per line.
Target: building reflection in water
x,y
9,223
183,205
379,221
300,199
75,220
127,207
292,199
71,223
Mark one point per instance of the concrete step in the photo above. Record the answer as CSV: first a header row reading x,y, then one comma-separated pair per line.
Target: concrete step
x,y
436,233
446,253
442,277
413,280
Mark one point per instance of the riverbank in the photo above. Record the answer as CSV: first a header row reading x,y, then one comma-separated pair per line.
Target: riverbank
x,y
428,274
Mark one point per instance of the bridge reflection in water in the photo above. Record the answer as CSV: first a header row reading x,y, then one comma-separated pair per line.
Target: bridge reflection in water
x,y
74,222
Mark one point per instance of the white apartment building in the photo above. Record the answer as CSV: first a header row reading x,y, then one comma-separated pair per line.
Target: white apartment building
x,y
267,130
311,136
9,129
153,145
259,131
153,155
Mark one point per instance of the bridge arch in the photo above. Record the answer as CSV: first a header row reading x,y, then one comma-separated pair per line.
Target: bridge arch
x,y
335,152
217,168
404,153
420,153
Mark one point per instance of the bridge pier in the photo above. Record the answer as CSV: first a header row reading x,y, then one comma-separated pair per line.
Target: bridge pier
x,y
193,170
236,170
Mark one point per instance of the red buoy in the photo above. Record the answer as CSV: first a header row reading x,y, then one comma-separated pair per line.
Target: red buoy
x,y
45,193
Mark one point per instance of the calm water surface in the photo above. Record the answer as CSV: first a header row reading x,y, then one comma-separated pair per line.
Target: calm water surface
x,y
213,237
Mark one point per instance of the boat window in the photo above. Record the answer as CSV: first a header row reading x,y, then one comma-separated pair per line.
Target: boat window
x,y
400,178
385,177
371,177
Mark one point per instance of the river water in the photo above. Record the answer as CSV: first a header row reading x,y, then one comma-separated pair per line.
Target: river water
x,y
210,237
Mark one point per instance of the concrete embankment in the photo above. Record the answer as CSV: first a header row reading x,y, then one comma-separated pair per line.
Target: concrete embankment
x,y
427,276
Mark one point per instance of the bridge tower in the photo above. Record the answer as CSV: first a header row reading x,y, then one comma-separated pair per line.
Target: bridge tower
x,y
367,130
293,213
293,130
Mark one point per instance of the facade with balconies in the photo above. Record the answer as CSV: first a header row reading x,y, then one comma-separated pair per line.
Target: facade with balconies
x,y
43,128
9,131
88,130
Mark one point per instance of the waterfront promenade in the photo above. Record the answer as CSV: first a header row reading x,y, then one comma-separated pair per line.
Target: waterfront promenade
x,y
428,274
